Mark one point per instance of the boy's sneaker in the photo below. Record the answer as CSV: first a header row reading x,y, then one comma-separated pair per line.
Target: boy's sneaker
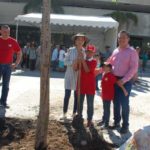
x,y
64,117
115,126
101,123
124,130
104,126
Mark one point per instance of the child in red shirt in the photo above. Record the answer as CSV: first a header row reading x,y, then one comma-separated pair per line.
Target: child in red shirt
x,y
107,84
87,82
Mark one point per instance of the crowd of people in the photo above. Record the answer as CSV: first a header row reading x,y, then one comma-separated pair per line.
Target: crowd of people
x,y
84,68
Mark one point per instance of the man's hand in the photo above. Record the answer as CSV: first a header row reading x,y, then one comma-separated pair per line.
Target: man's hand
x,y
120,83
13,66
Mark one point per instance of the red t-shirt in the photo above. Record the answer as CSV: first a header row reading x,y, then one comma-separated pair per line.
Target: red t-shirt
x,y
87,82
7,48
107,84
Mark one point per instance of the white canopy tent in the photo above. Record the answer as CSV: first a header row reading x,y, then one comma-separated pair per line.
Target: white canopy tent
x,y
100,30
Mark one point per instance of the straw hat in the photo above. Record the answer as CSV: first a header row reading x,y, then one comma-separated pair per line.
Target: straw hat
x,y
80,35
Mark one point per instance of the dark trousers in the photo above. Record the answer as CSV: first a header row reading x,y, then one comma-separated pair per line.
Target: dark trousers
x,y
23,63
121,102
66,101
5,71
90,102
32,64
106,111
27,61
54,65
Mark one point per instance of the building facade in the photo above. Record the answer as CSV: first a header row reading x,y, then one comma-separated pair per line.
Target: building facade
x,y
140,33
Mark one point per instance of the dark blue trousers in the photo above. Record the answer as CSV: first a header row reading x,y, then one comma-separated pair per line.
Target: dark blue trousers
x,y
121,105
90,103
106,111
66,101
5,71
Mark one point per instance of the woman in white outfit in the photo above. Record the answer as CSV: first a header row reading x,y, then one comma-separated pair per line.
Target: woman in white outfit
x,y
71,75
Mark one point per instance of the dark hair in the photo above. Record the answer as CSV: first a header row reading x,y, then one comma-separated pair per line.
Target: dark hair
x,y
124,32
107,65
5,26
85,43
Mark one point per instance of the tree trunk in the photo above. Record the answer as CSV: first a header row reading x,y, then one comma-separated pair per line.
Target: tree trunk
x,y
43,118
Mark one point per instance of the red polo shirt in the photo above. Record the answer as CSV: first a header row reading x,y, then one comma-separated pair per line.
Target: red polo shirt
x,y
88,82
7,48
107,84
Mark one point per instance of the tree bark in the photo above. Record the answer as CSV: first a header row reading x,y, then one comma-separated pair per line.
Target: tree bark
x,y
43,118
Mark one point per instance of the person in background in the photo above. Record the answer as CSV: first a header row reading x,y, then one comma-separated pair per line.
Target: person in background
x,y
32,56
61,59
107,53
54,59
27,54
71,74
144,60
38,60
124,61
24,57
8,46
87,81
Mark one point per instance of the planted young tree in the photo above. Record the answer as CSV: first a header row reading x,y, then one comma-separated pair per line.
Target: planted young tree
x,y
43,118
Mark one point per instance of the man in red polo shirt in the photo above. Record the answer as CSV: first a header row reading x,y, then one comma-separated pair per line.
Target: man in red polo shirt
x,y
8,46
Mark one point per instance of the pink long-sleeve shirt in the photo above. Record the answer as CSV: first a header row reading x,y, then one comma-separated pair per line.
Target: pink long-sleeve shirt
x,y
124,63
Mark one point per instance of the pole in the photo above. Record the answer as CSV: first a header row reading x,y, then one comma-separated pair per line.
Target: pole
x,y
17,24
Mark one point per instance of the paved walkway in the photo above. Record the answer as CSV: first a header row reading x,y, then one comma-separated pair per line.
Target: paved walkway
x,y
25,91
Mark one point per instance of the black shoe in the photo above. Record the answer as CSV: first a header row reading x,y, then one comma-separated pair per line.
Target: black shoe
x,y
115,126
6,106
124,130
101,123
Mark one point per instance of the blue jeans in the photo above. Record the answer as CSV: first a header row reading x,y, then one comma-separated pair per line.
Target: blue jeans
x,y
106,111
90,101
122,102
5,71
66,101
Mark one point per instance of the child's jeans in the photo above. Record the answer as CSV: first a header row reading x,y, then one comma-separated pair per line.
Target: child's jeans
x,y
90,101
106,111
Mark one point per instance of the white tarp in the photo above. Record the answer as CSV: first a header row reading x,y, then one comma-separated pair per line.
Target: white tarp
x,y
71,20
100,30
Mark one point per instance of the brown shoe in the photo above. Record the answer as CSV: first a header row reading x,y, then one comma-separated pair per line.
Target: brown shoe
x,y
90,124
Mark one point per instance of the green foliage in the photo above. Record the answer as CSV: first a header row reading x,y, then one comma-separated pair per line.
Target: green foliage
x,y
123,17
36,6
132,17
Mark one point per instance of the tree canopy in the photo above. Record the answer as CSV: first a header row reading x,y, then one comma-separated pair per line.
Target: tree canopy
x,y
36,6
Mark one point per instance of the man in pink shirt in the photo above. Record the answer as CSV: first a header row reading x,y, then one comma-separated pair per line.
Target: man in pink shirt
x,y
124,61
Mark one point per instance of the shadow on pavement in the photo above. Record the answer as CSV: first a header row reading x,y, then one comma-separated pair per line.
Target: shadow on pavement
x,y
118,139
142,86
36,73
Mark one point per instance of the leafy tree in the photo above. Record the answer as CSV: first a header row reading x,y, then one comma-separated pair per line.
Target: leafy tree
x,y
36,6
124,18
